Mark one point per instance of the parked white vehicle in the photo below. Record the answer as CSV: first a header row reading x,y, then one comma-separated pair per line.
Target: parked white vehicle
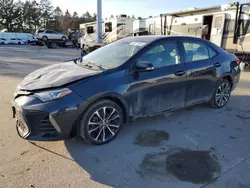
x,y
46,34
16,41
3,41
17,38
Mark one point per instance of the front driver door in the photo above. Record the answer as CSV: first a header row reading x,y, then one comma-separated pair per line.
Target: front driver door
x,y
161,89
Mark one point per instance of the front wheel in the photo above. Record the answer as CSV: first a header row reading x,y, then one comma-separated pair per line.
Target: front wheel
x,y
221,95
64,38
101,123
44,38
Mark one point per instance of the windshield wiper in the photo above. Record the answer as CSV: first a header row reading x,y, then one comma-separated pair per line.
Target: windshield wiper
x,y
91,64
99,66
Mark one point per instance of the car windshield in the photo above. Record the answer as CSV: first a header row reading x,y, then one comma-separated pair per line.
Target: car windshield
x,y
113,55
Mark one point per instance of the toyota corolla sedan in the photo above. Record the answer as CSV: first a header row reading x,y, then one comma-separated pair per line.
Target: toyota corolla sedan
x,y
94,96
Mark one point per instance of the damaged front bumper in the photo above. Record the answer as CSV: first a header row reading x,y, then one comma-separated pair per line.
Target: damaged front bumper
x,y
55,120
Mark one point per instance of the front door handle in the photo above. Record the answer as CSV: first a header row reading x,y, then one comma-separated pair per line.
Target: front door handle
x,y
217,64
180,73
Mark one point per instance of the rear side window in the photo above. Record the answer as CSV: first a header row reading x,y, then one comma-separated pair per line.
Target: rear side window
x,y
195,51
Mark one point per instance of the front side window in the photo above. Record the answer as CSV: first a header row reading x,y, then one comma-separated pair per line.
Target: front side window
x,y
40,31
195,51
49,32
162,55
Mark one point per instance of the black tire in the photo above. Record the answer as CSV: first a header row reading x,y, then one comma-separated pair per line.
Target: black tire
x,y
214,102
44,38
90,116
19,43
64,38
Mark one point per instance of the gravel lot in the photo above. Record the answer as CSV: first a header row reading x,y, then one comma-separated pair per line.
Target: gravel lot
x,y
194,147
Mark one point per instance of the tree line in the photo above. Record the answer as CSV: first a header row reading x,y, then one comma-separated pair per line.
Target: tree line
x,y
31,15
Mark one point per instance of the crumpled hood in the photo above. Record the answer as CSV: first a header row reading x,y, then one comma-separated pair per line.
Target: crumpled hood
x,y
55,76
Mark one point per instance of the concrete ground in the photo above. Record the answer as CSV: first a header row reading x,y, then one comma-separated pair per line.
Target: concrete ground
x,y
194,147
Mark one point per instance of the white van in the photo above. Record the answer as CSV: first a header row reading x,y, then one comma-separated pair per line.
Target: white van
x,y
18,38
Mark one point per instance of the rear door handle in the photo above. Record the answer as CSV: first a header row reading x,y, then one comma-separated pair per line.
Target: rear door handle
x,y
217,64
180,73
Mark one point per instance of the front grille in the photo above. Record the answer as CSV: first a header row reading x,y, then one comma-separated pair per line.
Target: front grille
x,y
46,129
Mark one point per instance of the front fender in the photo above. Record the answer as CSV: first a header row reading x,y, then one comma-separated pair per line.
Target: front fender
x,y
116,97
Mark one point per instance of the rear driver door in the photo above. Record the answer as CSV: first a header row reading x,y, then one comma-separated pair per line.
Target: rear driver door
x,y
201,64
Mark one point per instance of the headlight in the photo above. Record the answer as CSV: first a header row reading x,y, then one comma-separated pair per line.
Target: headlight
x,y
50,95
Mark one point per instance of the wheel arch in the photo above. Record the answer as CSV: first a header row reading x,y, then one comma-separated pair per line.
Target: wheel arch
x,y
115,97
112,96
228,77
45,36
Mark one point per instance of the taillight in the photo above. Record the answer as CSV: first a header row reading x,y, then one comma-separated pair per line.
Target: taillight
x,y
237,61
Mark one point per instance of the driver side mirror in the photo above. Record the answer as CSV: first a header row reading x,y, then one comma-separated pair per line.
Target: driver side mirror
x,y
144,66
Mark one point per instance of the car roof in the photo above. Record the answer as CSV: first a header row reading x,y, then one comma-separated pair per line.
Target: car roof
x,y
151,38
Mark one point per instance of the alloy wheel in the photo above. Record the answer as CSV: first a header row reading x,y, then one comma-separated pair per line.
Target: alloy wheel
x,y
223,94
104,124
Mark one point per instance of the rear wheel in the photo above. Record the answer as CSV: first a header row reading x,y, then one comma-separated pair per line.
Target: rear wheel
x,y
101,123
221,95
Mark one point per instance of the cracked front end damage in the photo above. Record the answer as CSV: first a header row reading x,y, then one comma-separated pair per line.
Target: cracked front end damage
x,y
48,121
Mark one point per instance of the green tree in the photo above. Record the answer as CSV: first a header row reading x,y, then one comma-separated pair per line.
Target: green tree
x,y
67,21
31,15
46,12
10,15
88,17
75,19
56,22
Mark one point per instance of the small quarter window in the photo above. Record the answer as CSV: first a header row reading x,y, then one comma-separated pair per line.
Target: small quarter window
x,y
212,53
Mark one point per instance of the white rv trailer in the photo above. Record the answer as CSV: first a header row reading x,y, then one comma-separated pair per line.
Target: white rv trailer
x,y
227,25
113,29
147,26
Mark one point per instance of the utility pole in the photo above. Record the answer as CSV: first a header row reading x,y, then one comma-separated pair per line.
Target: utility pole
x,y
99,21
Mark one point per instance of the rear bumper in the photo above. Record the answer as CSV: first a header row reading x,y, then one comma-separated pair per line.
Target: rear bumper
x,y
46,121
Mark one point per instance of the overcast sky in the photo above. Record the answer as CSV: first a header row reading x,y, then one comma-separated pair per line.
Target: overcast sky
x,y
143,8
